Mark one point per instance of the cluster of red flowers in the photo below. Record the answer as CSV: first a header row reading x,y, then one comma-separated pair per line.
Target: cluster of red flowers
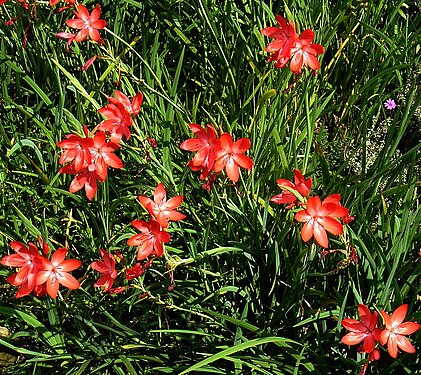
x,y
289,47
107,267
150,241
89,158
153,232
215,154
87,23
368,332
119,115
38,274
318,216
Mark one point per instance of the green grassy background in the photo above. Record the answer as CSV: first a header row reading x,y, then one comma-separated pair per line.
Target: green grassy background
x,y
249,296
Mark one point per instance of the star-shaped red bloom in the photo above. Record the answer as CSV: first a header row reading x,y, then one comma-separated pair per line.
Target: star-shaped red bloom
x,y
393,334
102,155
89,160
29,262
231,156
320,217
285,38
365,331
106,266
304,53
162,209
86,178
77,150
206,145
118,114
89,24
288,46
130,107
301,185
56,272
150,239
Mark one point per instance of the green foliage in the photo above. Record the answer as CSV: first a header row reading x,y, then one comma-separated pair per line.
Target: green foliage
x,y
249,295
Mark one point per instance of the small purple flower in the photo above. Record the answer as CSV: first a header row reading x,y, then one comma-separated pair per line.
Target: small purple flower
x,y
390,104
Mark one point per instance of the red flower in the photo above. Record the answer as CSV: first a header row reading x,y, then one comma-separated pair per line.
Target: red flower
x,y
29,262
374,355
231,156
137,270
69,37
89,158
86,178
150,240
161,209
304,53
365,331
107,268
206,144
102,155
77,150
394,332
40,290
56,272
301,185
130,107
24,4
119,115
117,123
117,289
289,47
319,217
285,36
89,24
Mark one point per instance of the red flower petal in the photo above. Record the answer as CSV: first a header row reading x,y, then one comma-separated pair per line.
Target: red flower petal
x,y
307,36
232,169
306,231
174,202
406,328
59,256
404,344
313,204
175,215
296,63
70,264
353,338
243,161
399,314
160,193
320,235
52,287
331,225
392,346
226,141
75,23
369,343
69,281
302,216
